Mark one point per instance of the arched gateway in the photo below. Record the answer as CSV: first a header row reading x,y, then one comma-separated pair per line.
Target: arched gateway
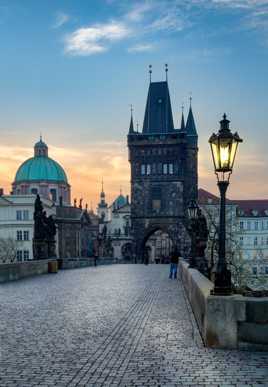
x,y
163,171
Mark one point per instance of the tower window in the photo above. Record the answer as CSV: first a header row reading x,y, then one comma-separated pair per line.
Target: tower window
x,y
165,169
156,199
143,169
148,169
170,169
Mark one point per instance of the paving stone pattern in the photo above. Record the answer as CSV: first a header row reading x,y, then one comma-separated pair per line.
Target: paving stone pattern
x,y
120,325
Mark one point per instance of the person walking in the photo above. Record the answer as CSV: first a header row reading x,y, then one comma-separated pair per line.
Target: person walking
x,y
174,260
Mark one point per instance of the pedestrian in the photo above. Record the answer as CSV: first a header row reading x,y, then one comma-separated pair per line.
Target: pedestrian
x,y
174,260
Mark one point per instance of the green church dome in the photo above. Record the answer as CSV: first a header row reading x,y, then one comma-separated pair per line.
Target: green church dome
x,y
40,167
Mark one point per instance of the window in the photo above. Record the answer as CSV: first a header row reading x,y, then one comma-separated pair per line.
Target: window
x,y
241,241
266,269
241,225
156,199
267,240
171,169
255,270
26,235
19,255
18,215
25,215
34,191
256,225
165,169
255,241
153,168
19,235
26,255
148,169
248,225
53,194
143,169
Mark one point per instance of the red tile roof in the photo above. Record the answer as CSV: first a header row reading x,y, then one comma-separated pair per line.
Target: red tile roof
x,y
247,206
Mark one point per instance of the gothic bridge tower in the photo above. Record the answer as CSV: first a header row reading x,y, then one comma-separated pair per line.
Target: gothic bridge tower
x,y
163,170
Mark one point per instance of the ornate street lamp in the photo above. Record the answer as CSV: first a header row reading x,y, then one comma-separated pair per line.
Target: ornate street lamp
x,y
192,216
223,147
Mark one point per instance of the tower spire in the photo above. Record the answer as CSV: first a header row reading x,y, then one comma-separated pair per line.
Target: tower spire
x,y
150,73
182,118
190,126
131,126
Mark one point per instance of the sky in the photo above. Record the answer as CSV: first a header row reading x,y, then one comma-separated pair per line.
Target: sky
x,y
70,70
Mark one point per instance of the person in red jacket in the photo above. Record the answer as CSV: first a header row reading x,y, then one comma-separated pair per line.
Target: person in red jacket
x,y
174,260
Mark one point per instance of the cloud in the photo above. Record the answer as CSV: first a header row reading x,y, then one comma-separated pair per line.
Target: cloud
x,y
138,11
95,39
143,47
169,20
61,19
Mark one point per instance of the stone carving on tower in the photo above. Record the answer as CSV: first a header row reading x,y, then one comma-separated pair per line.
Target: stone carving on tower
x,y
163,164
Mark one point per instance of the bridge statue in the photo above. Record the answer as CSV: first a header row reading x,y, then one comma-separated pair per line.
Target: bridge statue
x,y
44,244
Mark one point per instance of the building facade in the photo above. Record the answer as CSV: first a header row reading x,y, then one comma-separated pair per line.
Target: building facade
x,y
163,163
246,232
17,225
115,227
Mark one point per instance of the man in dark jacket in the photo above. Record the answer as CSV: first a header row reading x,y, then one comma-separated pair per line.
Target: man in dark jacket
x,y
174,260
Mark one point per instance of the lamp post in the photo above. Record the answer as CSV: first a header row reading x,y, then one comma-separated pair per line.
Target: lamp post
x,y
223,147
192,216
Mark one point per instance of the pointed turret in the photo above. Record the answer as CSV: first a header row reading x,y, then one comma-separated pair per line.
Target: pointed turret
x,y
190,124
182,119
182,122
191,128
131,126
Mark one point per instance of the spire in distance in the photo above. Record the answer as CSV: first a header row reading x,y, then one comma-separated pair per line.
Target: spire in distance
x,y
190,124
131,126
182,118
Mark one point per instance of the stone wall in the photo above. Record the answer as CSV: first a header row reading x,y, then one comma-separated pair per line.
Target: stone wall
x,y
226,321
18,270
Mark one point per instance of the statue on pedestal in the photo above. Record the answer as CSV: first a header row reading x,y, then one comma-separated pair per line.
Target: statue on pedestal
x,y
44,233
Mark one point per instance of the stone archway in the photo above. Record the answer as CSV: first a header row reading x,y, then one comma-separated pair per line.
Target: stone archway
x,y
175,231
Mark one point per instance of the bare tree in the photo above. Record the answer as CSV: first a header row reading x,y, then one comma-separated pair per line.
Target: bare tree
x,y
8,250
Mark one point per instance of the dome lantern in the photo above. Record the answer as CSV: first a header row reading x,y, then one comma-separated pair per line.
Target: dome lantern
x,y
40,149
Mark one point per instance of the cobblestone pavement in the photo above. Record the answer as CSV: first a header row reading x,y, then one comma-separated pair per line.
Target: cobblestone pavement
x,y
120,325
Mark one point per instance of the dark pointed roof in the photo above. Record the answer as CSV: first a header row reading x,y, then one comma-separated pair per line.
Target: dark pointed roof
x,y
131,126
158,113
190,124
182,122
